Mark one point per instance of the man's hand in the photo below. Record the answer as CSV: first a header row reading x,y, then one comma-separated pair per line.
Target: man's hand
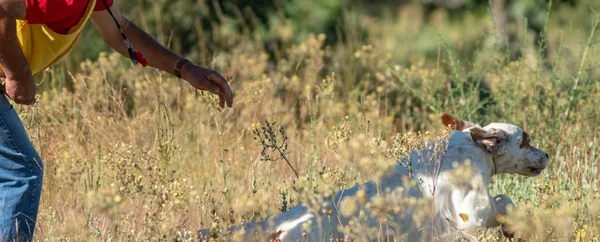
x,y
22,91
208,80
157,55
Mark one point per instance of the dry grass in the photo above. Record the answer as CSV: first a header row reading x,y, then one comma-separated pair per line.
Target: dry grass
x,y
135,155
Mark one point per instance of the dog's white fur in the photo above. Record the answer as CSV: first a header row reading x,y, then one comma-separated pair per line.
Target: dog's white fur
x,y
459,210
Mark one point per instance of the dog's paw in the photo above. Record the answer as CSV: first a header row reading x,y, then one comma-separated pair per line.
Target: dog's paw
x,y
503,205
507,232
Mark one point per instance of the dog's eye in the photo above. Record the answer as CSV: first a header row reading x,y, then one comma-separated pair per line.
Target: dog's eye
x,y
525,141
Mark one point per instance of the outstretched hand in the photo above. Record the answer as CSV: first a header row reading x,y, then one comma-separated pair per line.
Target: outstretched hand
x,y
208,80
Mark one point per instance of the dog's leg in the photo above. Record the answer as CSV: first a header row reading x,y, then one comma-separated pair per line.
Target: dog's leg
x,y
475,209
502,204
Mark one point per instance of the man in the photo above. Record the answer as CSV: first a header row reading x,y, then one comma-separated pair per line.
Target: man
x,y
34,34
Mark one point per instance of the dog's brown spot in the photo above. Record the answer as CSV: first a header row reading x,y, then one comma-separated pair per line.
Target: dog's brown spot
x,y
455,124
448,120
525,141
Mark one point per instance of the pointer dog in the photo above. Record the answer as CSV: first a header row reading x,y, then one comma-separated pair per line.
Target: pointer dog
x,y
458,210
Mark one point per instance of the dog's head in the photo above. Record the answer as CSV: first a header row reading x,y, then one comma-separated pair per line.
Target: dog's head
x,y
508,144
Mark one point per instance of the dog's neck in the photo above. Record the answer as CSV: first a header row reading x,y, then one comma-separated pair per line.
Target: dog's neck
x,y
484,162
427,164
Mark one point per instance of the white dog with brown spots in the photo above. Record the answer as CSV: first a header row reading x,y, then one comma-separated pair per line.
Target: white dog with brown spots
x,y
459,210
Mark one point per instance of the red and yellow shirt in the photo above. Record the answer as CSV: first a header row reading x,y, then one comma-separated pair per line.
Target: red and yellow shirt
x,y
60,15
52,28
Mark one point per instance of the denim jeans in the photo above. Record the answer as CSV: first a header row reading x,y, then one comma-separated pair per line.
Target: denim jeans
x,y
21,172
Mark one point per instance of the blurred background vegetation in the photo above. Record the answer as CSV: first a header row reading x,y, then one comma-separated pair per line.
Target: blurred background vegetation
x,y
200,29
204,26
470,32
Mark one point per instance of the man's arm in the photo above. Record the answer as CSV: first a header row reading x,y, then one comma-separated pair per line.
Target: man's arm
x,y
19,83
157,55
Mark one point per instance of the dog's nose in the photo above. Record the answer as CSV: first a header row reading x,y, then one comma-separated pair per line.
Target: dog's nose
x,y
547,157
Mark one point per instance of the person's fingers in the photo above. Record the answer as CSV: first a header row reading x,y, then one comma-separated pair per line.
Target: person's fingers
x,y
28,101
207,85
31,101
224,86
221,101
24,101
230,104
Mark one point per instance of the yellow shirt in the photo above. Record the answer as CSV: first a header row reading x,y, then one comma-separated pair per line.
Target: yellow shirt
x,y
43,47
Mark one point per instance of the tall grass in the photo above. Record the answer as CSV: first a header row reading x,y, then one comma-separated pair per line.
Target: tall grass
x,y
132,154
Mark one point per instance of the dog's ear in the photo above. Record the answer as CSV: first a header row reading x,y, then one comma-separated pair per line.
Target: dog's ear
x,y
455,124
493,140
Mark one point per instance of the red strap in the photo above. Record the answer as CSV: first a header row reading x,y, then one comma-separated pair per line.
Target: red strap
x,y
141,59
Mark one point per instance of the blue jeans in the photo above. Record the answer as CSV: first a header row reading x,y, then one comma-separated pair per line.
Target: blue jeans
x,y
21,172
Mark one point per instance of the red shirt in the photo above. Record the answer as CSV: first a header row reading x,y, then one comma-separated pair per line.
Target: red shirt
x,y
59,15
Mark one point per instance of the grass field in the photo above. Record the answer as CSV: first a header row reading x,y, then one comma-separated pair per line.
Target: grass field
x,y
132,154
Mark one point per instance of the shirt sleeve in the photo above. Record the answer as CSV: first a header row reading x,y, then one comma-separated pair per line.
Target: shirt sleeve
x,y
100,4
